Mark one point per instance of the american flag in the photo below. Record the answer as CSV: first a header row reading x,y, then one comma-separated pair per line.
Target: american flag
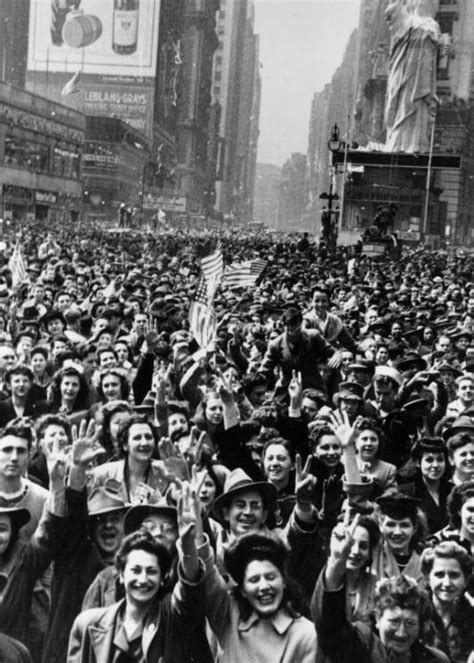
x,y
202,319
244,274
17,266
73,86
212,267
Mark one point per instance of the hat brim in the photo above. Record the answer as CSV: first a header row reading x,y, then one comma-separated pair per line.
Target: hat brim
x,y
454,430
21,516
267,490
136,515
347,396
108,509
404,364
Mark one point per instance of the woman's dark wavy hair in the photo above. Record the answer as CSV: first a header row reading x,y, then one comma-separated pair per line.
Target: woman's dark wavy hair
x,y
124,383
430,445
369,524
143,540
262,547
83,395
53,420
122,436
456,499
317,431
104,417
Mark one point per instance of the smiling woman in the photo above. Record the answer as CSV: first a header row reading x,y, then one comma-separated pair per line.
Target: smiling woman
x,y
141,626
142,478
260,620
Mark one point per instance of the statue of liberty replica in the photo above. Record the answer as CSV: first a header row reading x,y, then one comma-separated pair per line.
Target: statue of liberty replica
x,y
411,89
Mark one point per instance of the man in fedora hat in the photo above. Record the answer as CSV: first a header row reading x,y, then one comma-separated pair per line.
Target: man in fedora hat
x,y
95,536
245,506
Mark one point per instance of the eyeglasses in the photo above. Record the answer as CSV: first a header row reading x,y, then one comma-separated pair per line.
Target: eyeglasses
x,y
242,504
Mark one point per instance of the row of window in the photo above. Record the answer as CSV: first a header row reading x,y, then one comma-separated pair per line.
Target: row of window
x,y
41,158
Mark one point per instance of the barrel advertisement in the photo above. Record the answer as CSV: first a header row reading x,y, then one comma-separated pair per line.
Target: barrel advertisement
x,y
113,37
97,56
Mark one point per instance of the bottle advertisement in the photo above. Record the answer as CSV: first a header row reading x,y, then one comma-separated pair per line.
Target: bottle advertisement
x,y
100,36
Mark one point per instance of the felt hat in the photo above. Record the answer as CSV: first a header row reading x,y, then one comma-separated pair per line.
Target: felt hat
x,y
53,314
147,404
398,505
106,498
445,366
462,424
349,391
363,365
137,514
410,360
389,372
239,481
19,515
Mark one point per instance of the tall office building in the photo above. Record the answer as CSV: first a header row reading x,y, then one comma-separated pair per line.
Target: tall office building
x,y
237,91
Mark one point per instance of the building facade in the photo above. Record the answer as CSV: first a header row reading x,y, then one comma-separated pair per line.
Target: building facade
x,y
292,193
236,90
40,157
365,65
267,184
194,172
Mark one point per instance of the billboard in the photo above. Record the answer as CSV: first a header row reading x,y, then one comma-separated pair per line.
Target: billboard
x,y
111,44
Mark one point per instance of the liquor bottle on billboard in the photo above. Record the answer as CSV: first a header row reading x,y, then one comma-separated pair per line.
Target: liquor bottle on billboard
x,y
125,24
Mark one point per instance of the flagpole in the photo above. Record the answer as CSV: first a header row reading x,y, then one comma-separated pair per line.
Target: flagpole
x,y
428,175
47,72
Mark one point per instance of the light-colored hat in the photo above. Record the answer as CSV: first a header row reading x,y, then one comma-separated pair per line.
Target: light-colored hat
x,y
237,482
389,372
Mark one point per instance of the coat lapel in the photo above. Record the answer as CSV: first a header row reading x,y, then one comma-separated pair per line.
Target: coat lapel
x,y
102,633
150,630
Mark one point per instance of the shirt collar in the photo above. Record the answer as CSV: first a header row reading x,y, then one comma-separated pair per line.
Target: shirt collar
x,y
281,621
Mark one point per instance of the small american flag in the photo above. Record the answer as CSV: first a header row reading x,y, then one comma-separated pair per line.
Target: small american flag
x,y
202,319
212,267
17,266
244,274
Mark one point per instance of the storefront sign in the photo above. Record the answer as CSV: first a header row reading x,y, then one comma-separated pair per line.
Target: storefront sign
x,y
47,197
19,193
166,203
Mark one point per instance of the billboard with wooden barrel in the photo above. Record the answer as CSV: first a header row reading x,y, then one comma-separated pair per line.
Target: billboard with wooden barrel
x,y
109,45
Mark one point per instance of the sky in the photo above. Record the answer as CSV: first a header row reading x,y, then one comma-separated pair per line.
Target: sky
x,y
301,45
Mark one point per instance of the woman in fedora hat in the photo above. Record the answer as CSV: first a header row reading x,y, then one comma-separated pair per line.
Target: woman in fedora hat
x,y
261,617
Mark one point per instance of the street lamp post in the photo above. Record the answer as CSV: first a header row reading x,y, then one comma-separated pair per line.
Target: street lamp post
x,y
329,215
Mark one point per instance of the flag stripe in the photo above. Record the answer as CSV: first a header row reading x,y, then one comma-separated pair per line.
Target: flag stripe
x,y
245,274
212,267
17,265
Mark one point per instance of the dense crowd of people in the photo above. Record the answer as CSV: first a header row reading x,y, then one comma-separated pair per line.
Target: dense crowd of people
x,y
301,490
